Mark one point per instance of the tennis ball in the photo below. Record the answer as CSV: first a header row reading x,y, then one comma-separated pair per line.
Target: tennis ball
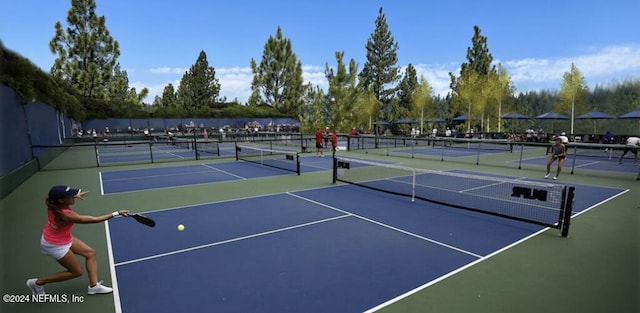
x,y
180,227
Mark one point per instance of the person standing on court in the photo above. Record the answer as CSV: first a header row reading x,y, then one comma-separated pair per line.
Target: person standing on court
x,y
334,143
558,152
631,146
58,242
319,138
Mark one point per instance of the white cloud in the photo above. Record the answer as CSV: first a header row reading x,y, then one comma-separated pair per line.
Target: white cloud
x,y
168,70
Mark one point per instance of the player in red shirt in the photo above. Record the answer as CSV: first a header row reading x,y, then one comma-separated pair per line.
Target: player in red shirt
x,y
319,138
334,143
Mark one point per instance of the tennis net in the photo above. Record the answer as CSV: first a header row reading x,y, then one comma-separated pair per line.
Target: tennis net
x,y
281,159
545,204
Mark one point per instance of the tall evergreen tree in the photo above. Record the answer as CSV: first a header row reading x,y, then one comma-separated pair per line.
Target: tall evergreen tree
x,y
87,54
406,91
277,80
380,69
199,88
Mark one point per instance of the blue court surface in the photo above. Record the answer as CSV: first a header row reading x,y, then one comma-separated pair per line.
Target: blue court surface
x,y
172,176
591,163
335,249
459,150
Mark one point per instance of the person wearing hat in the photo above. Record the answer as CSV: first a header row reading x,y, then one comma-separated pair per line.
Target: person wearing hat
x,y
58,242
558,152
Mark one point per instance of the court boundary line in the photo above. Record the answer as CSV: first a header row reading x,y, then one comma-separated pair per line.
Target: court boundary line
x,y
198,184
213,244
462,268
223,172
112,268
455,271
386,226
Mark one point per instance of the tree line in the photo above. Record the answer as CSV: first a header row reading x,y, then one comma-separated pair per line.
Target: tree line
x,y
86,81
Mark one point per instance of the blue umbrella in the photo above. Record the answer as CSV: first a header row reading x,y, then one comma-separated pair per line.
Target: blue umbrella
x,y
515,116
405,121
595,115
632,114
460,118
435,120
552,116
381,123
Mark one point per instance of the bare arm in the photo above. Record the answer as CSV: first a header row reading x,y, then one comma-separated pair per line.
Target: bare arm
x,y
75,218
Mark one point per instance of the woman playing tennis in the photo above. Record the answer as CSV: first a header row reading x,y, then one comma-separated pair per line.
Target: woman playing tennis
x,y
58,243
558,152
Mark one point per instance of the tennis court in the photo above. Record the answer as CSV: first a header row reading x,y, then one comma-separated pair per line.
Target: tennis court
x,y
275,241
333,249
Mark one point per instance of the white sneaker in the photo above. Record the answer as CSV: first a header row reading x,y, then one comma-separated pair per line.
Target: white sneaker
x,y
546,175
555,177
98,288
35,288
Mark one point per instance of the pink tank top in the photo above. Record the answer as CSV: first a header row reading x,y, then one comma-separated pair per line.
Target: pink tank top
x,y
55,232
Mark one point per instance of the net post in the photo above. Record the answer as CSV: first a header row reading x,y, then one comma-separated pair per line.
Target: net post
x,y
95,150
521,153
236,150
195,145
298,164
575,156
413,186
335,170
568,208
478,156
151,151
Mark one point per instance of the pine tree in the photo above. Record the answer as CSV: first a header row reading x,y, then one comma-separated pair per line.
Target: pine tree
x,y
87,54
380,69
277,80
199,88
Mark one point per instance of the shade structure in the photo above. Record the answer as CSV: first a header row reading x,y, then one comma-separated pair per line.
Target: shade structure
x,y
595,115
552,116
381,123
406,121
632,115
514,116
460,118
435,120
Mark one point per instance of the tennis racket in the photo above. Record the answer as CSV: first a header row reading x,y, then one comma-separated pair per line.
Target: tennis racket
x,y
143,219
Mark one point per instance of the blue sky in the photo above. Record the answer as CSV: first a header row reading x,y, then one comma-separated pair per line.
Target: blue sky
x,y
536,41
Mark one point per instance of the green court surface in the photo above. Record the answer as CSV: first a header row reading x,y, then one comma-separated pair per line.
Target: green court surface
x,y
595,269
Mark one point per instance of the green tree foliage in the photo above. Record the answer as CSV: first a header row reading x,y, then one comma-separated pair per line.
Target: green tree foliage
x,y
467,96
422,102
277,80
32,84
342,94
87,54
573,95
499,92
380,70
406,91
477,69
199,88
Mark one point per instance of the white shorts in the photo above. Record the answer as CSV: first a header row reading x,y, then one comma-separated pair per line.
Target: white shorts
x,y
52,250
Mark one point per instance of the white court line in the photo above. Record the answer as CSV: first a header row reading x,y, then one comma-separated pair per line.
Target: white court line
x,y
230,240
224,172
112,268
587,164
387,226
101,184
152,176
432,282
